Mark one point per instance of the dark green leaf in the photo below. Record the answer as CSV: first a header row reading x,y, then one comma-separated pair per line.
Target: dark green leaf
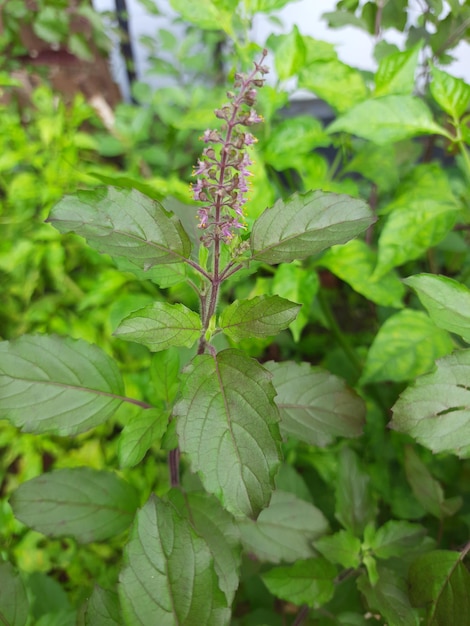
x,y
103,608
388,119
451,94
342,548
446,300
160,326
309,582
123,223
407,345
61,386
169,577
165,377
315,406
396,539
145,428
440,582
83,503
285,530
228,426
262,316
14,605
355,507
436,409
307,224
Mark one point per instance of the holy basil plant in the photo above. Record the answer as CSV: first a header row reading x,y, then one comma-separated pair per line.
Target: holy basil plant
x,y
222,414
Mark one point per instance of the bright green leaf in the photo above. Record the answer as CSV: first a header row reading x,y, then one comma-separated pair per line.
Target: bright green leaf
x,y
388,119
309,582
51,24
55,385
205,14
169,577
103,608
160,326
307,224
285,530
407,345
83,503
354,262
340,85
228,426
342,548
446,300
315,405
451,94
396,73
14,603
262,316
289,55
137,437
440,582
123,223
436,409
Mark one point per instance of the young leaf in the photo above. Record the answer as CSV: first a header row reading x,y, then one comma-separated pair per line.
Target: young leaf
x,y
218,529
451,94
315,405
436,409
307,224
426,489
342,547
440,582
103,608
289,54
55,385
205,14
407,345
83,503
228,426
388,119
123,223
169,577
144,428
309,582
285,530
396,72
355,507
160,326
389,597
262,316
354,262
14,605
446,300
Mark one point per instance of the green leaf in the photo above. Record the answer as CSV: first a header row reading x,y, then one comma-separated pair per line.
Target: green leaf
x,y
51,24
83,503
396,539
298,284
451,94
389,597
435,410
410,231
342,548
228,426
262,316
440,582
80,46
165,377
123,223
309,582
218,529
137,437
407,345
289,55
205,14
307,224
169,577
446,300
354,262
355,507
14,605
396,72
315,405
388,119
55,385
160,326
265,6
340,85
103,608
426,489
284,531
